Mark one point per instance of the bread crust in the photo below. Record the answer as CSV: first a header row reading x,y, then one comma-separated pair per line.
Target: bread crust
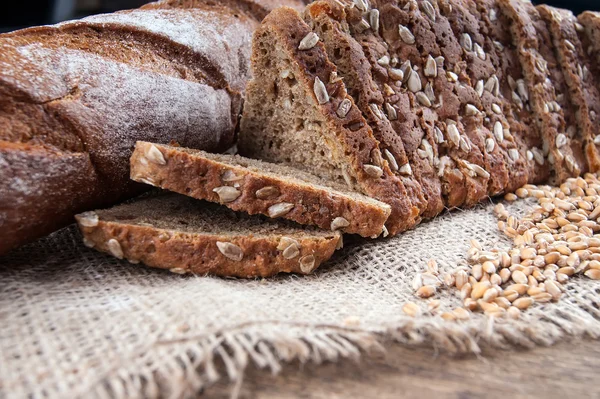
x,y
87,90
537,60
523,130
581,95
197,252
355,55
352,132
193,174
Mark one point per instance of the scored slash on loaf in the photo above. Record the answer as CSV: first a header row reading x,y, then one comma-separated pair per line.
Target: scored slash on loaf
x,y
258,187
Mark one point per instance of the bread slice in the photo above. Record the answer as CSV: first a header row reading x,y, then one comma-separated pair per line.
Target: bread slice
x,y
580,95
389,112
590,20
258,187
460,188
450,113
297,112
523,131
478,69
185,235
478,54
537,60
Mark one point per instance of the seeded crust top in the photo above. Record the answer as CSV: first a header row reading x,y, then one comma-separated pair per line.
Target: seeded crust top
x,y
361,154
537,57
362,60
579,97
524,132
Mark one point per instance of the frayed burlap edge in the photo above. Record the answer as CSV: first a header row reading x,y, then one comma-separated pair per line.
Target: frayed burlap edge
x,y
268,346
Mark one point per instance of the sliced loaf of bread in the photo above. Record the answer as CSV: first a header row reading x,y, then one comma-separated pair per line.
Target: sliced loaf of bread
x,y
360,58
590,21
478,54
184,235
582,85
542,73
416,35
297,112
258,187
523,131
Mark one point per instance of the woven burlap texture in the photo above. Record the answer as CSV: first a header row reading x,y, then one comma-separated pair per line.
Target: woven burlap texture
x,y
76,322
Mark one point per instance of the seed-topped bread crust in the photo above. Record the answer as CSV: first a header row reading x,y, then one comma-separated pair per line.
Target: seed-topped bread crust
x,y
590,20
184,235
257,187
457,155
523,132
359,55
297,112
479,53
581,85
534,45
478,70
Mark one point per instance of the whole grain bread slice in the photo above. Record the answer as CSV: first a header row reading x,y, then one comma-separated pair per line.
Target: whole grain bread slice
x,y
416,34
184,235
257,187
590,21
478,54
580,95
523,131
417,121
297,112
359,56
536,54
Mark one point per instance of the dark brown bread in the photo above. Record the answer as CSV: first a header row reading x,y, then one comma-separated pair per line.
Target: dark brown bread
x,y
590,20
184,235
510,173
257,187
534,45
523,131
580,96
356,56
75,97
297,112
458,158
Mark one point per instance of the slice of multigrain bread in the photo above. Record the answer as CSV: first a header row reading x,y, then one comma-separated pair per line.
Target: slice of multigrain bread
x,y
523,131
258,187
580,97
297,112
456,110
534,45
360,55
478,54
590,21
420,127
184,235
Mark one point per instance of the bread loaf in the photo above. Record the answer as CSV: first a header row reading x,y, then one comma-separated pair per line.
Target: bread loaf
x,y
581,93
75,97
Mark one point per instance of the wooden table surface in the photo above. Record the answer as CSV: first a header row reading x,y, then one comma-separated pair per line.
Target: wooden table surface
x,y
567,370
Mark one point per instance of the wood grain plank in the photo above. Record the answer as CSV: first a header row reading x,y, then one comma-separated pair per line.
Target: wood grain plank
x,y
567,370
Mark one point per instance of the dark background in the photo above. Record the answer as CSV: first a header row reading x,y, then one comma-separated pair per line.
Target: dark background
x,y
16,14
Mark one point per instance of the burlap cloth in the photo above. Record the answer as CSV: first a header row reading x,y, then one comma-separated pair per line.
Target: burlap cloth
x,y
76,322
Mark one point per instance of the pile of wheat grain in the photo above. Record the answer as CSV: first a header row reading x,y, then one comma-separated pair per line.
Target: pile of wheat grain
x,y
553,242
